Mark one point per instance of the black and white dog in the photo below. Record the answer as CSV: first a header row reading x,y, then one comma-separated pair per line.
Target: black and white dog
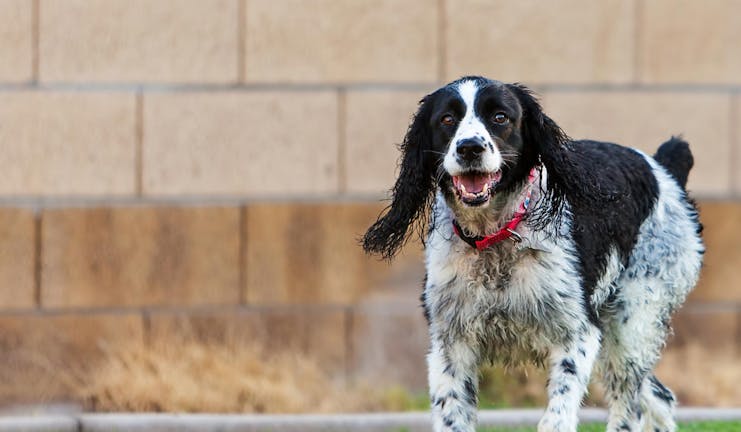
x,y
569,253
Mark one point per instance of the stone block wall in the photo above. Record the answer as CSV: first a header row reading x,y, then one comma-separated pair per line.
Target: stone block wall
x,y
208,166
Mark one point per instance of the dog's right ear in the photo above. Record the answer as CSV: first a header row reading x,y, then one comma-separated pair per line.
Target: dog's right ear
x,y
412,193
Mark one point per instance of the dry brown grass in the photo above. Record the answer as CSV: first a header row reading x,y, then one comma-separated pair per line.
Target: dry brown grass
x,y
185,374
521,386
192,376
698,376
703,377
196,377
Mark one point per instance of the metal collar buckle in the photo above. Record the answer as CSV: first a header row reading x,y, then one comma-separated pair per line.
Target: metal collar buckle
x,y
515,236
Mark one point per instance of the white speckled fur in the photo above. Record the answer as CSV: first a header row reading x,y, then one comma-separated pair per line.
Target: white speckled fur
x,y
536,314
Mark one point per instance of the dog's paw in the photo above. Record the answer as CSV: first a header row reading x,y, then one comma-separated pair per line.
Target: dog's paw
x,y
453,427
452,423
556,423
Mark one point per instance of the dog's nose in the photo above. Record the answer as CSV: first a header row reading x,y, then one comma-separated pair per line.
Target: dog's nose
x,y
470,149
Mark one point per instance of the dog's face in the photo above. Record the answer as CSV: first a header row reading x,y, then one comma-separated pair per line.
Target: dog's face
x,y
474,139
476,130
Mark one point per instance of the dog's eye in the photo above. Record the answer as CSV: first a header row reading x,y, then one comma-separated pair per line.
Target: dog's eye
x,y
500,118
447,120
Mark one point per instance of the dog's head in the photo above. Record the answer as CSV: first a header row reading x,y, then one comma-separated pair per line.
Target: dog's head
x,y
473,138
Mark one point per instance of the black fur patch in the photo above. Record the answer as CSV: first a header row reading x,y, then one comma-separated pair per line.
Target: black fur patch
x,y
449,369
616,194
675,156
569,366
423,300
470,392
660,391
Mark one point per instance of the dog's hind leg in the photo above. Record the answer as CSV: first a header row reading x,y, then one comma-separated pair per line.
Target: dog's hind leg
x,y
633,339
647,408
658,403
623,390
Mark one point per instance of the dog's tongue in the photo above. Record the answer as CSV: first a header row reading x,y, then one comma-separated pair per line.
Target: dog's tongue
x,y
474,183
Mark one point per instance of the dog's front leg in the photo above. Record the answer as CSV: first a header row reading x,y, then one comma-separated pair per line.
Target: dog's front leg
x,y
453,378
570,370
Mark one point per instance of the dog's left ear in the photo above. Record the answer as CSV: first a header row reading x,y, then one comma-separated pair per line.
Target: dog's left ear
x,y
412,192
542,134
539,131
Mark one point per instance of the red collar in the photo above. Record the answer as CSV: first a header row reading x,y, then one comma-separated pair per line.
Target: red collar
x,y
484,242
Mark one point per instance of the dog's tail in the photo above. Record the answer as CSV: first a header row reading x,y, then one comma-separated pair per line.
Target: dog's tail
x,y
676,157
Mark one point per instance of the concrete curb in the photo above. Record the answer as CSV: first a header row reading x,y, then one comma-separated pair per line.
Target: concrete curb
x,y
46,423
376,422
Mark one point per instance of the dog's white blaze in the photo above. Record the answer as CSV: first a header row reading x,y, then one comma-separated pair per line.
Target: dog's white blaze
x,y
471,126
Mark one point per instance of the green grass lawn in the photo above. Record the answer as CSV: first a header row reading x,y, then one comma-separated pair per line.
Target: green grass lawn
x,y
686,427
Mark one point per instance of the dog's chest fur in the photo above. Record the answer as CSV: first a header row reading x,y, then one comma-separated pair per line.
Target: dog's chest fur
x,y
513,303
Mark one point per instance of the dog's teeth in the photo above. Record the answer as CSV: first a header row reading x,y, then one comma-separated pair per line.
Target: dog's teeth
x,y
463,189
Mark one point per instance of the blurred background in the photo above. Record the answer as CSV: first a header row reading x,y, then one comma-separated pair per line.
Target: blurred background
x,y
183,183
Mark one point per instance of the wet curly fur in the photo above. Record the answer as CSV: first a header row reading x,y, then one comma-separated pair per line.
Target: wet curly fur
x,y
611,247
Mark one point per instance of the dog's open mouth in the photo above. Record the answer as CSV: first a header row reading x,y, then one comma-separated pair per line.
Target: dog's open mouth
x,y
475,188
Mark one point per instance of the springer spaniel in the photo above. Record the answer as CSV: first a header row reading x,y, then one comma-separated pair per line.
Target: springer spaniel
x,y
541,248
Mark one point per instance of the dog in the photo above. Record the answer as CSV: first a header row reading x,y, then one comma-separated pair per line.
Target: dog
x,y
572,254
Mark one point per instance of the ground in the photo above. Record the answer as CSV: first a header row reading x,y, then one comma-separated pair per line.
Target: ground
x,y
687,427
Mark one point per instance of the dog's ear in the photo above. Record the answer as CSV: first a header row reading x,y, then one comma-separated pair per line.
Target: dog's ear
x,y
412,193
539,132
543,136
